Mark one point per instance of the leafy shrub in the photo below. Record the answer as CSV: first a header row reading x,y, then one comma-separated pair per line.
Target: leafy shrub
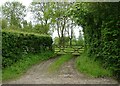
x,y
16,44
101,32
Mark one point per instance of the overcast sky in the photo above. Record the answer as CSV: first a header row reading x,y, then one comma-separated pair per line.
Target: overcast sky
x,y
24,2
28,17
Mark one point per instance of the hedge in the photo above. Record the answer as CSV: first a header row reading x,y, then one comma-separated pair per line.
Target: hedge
x,y
100,22
17,44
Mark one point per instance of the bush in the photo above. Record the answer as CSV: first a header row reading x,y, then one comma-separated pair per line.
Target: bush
x,y
101,32
17,44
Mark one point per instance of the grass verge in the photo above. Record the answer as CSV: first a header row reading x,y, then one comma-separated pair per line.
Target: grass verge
x,y
58,63
20,67
90,67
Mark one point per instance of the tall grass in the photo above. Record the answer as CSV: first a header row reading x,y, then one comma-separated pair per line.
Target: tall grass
x,y
54,67
20,67
91,67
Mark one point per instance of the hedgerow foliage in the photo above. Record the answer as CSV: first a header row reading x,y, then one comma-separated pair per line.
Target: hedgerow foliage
x,y
16,44
101,31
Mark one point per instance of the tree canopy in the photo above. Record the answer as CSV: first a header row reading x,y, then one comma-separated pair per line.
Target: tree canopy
x,y
101,31
14,12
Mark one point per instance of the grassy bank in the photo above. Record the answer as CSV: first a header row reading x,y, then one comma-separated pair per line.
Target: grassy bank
x,y
20,67
90,67
58,63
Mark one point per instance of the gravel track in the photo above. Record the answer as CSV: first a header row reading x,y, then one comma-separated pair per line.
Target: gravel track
x,y
67,74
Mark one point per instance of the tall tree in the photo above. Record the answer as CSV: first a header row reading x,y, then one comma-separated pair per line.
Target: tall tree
x,y
62,21
51,15
70,30
14,12
42,13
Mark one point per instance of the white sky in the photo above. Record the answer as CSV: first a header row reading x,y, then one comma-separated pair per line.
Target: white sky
x,y
28,17
24,2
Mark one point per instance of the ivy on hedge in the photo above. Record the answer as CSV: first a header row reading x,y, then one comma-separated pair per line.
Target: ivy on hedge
x,y
16,44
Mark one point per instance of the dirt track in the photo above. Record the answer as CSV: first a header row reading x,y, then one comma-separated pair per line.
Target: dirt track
x,y
67,74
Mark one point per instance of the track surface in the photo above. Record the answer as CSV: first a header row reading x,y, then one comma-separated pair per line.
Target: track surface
x,y
39,74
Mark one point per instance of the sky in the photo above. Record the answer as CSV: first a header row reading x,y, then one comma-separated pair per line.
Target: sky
x,y
24,2
28,17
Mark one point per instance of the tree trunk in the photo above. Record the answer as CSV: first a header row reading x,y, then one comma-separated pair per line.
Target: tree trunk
x,y
70,42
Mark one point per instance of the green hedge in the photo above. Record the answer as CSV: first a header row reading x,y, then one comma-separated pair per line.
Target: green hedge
x,y
101,32
17,44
